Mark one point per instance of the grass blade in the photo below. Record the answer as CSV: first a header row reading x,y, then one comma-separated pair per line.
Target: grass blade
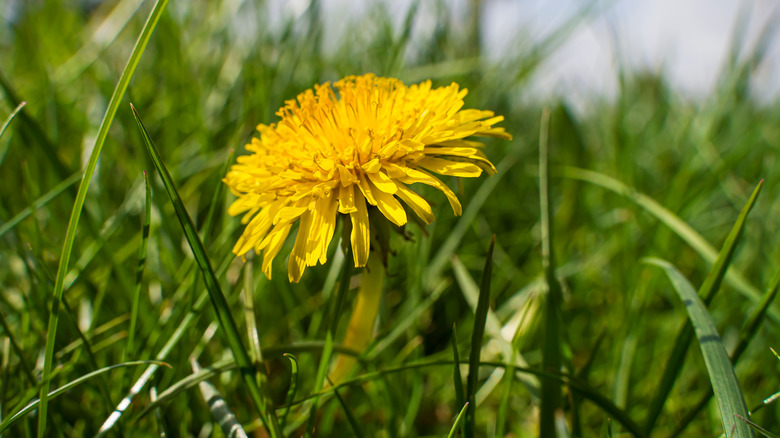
x,y
3,150
677,225
460,394
721,372
38,203
70,235
290,397
458,419
10,421
751,327
219,408
139,272
221,308
353,423
551,350
480,316
707,292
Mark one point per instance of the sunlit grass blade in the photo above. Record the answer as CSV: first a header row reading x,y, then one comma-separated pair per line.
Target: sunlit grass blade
x,y
322,372
707,292
722,377
38,203
70,235
551,349
458,419
249,314
746,335
10,421
480,316
4,149
218,300
677,225
290,397
139,271
219,408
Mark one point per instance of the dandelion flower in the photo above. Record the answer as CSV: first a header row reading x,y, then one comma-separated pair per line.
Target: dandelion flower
x,y
347,150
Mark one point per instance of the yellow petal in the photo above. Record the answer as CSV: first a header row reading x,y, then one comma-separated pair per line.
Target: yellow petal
x,y
366,189
361,235
297,262
347,199
383,182
389,206
419,205
451,168
322,226
273,243
421,176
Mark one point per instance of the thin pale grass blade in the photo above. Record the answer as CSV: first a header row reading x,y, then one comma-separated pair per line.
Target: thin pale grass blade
x,y
551,349
249,315
322,371
493,327
157,413
503,404
220,304
353,423
290,397
70,235
707,292
478,333
677,225
101,38
7,122
38,203
458,419
758,428
10,421
139,271
722,377
454,236
457,378
746,335
219,408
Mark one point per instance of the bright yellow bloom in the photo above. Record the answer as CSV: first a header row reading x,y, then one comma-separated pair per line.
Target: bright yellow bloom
x,y
344,151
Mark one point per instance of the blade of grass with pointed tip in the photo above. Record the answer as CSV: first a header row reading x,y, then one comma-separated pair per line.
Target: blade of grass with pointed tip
x,y
139,271
480,316
353,423
290,397
70,235
707,292
551,350
722,377
458,419
10,421
677,225
3,150
746,335
460,394
218,300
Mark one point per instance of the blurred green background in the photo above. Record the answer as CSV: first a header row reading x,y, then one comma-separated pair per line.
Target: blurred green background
x,y
214,70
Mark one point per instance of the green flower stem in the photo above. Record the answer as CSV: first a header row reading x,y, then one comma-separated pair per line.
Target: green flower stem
x,y
360,330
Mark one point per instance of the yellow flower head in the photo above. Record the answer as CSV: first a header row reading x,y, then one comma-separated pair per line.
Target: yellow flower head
x,y
336,152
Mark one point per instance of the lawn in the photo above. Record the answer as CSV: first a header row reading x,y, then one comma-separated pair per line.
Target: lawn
x,y
601,283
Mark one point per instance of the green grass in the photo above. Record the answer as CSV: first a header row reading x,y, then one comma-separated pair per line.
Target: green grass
x,y
106,285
